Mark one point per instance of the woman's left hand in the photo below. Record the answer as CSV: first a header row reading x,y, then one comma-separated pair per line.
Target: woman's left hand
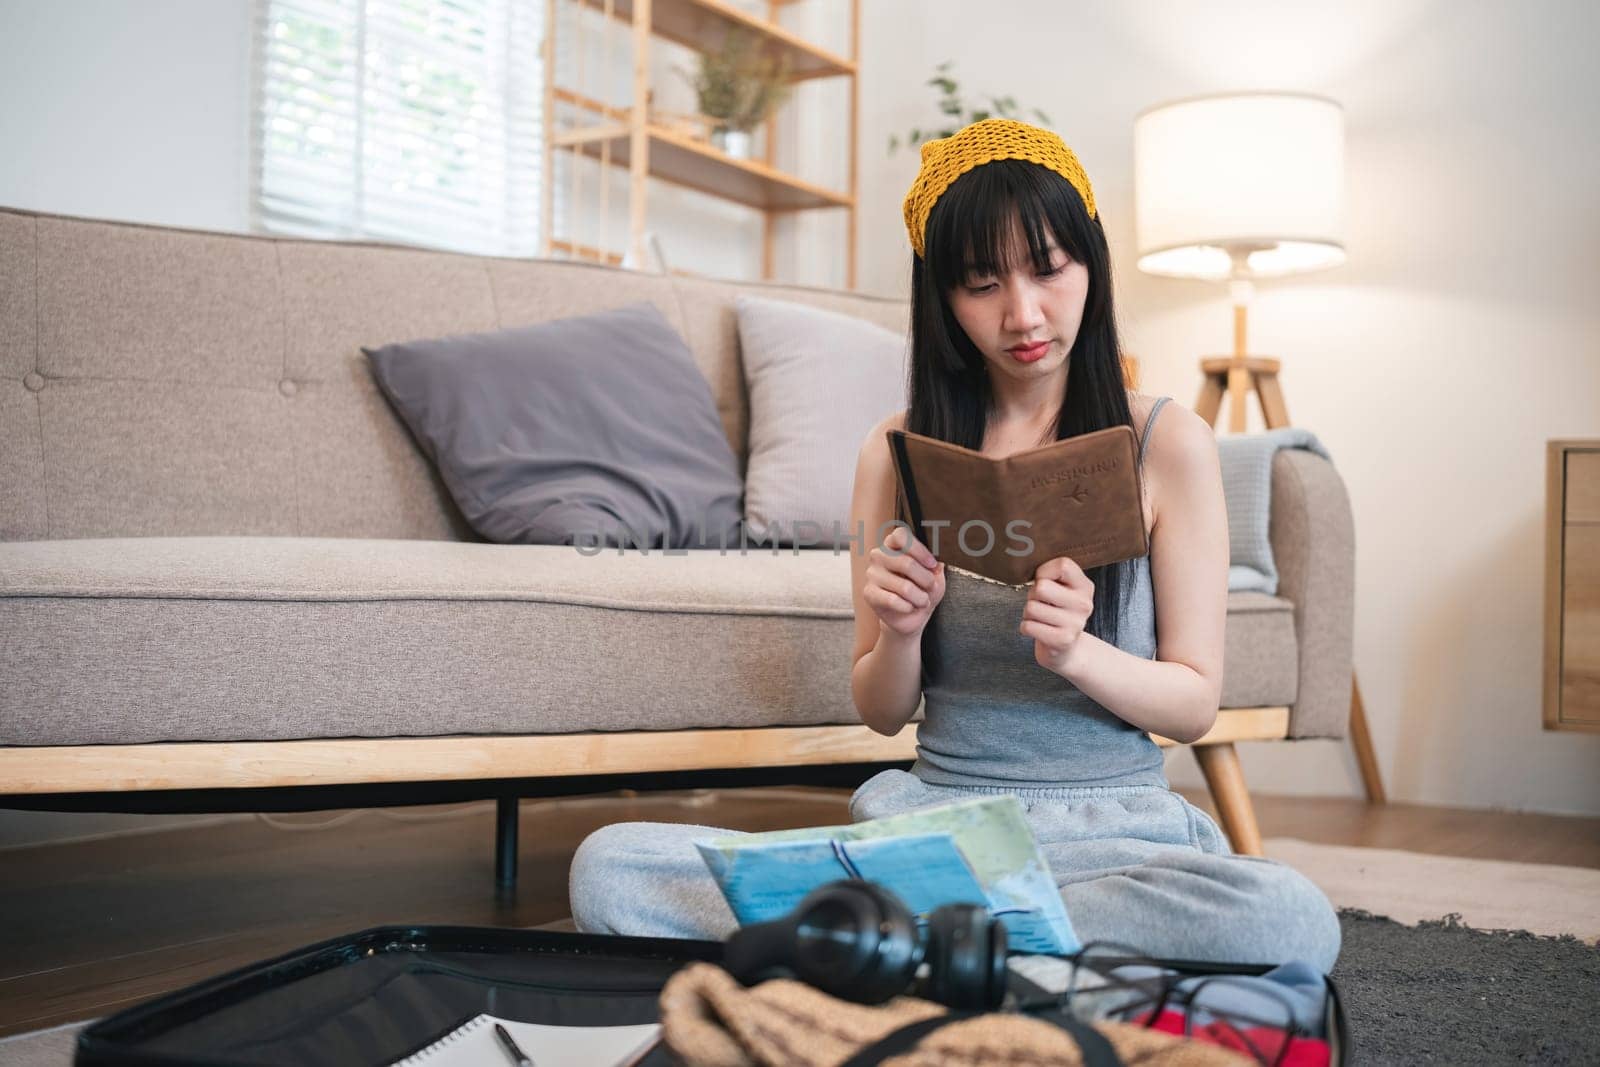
x,y
1060,602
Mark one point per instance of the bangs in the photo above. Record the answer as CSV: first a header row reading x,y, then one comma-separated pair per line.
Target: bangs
x,y
972,228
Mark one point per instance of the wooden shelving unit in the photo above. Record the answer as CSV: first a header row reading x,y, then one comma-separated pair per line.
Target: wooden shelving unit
x,y
700,24
641,142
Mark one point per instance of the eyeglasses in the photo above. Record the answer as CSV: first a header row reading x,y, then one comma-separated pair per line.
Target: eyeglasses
x,y
1113,981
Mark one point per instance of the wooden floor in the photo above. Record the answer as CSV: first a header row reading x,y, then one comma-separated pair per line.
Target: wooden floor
x,y
91,927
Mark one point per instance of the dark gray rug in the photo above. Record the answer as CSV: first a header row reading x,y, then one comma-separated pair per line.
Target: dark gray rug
x,y
1441,992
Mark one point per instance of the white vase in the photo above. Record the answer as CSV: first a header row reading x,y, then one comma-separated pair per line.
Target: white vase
x,y
735,143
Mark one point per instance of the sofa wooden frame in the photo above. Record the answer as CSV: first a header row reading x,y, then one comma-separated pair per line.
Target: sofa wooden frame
x,y
232,775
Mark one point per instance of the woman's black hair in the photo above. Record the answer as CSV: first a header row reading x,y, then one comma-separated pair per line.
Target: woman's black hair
x,y
969,231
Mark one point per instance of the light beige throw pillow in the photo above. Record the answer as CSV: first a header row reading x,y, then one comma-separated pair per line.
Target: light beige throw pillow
x,y
818,382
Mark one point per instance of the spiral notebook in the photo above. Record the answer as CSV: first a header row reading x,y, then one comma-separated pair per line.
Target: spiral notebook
x,y
473,1044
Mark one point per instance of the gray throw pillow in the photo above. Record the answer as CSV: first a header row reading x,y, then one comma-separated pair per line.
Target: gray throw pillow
x,y
818,381
594,430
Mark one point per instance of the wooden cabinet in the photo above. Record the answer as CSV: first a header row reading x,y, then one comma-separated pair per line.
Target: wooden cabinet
x,y
1572,586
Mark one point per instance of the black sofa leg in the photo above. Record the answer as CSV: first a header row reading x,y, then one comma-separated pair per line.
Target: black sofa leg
x,y
505,843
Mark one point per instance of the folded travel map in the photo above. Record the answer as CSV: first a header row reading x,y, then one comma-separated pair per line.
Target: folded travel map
x,y
978,851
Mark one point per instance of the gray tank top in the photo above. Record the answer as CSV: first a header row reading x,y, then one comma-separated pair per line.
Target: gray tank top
x,y
994,717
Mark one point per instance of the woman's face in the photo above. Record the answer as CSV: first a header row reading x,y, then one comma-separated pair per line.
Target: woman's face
x,y
1024,322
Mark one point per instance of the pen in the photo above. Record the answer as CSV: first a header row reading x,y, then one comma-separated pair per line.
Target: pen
x,y
518,1057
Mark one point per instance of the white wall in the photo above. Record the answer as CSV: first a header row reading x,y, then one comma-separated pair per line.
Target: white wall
x,y
125,110
1461,335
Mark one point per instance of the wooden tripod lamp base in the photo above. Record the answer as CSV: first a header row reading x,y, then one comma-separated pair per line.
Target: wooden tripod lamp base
x,y
1238,376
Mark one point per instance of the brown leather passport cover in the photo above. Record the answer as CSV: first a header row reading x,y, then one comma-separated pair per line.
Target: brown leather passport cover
x,y
1080,497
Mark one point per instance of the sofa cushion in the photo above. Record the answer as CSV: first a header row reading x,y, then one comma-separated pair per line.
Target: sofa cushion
x,y
168,639
594,429
180,639
818,382
1260,655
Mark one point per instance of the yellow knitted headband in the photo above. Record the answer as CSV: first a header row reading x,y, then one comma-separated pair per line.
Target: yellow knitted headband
x,y
948,158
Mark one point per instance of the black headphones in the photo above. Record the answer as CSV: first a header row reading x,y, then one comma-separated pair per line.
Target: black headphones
x,y
858,941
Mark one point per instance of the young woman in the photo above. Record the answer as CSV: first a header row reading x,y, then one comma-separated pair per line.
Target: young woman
x,y
1048,691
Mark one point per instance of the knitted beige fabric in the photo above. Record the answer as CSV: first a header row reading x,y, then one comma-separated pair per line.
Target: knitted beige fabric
x,y
710,1020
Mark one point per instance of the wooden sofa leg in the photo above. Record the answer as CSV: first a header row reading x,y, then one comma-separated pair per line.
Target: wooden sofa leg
x,y
1225,778
1361,740
505,843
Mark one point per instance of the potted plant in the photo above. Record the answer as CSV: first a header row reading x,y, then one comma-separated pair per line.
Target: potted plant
x,y
738,86
957,114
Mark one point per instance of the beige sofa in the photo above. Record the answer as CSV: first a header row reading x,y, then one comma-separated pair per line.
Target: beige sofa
x,y
225,566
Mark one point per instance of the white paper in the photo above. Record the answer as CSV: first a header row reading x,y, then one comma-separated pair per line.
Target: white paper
x,y
473,1044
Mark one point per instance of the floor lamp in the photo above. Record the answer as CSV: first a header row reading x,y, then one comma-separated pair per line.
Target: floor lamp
x,y
1234,188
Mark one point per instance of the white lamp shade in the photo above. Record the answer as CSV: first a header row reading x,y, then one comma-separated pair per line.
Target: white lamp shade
x,y
1257,175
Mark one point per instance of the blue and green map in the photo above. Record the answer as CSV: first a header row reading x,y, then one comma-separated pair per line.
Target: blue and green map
x,y
978,851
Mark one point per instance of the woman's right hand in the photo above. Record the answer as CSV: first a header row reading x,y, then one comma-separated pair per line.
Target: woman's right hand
x,y
903,585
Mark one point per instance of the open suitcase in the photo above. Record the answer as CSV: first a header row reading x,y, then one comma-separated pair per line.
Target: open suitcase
x,y
379,995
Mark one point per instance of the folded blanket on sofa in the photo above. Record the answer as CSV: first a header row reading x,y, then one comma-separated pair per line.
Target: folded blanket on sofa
x,y
1247,484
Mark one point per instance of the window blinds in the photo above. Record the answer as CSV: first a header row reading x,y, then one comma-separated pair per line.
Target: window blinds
x,y
412,121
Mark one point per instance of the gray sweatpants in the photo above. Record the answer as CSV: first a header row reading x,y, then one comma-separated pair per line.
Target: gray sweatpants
x,y
1138,865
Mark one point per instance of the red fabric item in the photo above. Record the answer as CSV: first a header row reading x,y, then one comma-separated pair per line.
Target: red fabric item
x,y
1301,1051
